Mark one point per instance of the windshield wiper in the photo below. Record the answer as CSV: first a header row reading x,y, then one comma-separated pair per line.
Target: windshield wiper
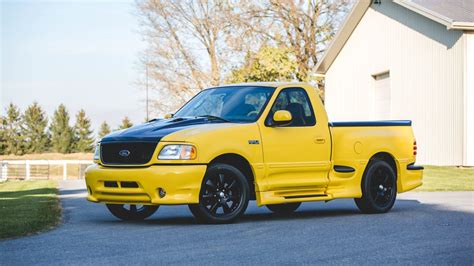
x,y
213,117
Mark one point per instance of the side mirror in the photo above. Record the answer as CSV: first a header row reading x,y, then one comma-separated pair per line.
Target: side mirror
x,y
282,118
168,116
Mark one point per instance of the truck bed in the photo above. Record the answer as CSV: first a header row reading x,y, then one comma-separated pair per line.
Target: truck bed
x,y
355,143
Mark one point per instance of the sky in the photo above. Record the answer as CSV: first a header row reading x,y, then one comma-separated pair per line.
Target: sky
x,y
83,54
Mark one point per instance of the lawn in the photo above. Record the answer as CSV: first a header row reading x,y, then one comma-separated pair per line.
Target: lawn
x,y
27,207
445,178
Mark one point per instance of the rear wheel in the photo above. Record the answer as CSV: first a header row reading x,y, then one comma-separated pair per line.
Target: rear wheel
x,y
132,211
224,195
285,208
379,188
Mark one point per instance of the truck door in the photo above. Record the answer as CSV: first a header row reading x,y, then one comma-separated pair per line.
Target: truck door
x,y
297,155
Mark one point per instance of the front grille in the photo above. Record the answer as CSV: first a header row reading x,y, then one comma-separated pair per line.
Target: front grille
x,y
127,152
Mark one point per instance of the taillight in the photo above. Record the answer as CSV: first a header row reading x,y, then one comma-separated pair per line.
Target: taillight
x,y
414,147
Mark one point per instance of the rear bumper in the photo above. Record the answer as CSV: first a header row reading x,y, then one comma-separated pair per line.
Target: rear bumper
x,y
182,184
412,177
414,167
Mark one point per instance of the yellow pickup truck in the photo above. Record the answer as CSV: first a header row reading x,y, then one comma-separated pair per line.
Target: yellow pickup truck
x,y
269,142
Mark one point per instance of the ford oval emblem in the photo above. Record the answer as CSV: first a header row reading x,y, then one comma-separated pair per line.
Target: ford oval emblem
x,y
124,153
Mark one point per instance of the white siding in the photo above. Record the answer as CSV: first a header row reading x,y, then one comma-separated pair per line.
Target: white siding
x,y
469,100
426,64
382,103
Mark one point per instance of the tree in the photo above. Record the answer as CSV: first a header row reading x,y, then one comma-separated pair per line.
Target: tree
x,y
268,64
193,44
104,129
35,123
13,139
126,123
188,46
83,141
305,27
3,141
61,132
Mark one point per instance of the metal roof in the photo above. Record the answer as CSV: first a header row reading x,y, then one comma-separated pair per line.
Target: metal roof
x,y
454,14
456,10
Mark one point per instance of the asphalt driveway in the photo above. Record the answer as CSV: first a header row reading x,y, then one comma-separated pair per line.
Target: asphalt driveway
x,y
423,228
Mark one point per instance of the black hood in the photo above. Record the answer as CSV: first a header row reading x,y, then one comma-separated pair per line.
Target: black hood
x,y
155,130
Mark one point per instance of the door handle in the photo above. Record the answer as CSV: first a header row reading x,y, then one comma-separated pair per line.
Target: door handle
x,y
319,140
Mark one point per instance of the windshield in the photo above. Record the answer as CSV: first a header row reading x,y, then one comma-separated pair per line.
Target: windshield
x,y
235,104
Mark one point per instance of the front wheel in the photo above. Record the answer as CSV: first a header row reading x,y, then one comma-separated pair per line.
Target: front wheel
x,y
379,188
224,195
132,211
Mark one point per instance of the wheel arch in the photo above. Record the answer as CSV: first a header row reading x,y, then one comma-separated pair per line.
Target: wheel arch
x,y
365,203
388,158
241,163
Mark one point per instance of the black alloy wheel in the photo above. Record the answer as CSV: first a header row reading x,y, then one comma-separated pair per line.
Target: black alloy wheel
x,y
379,188
224,195
132,211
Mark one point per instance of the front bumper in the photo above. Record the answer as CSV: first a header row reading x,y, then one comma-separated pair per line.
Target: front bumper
x,y
182,184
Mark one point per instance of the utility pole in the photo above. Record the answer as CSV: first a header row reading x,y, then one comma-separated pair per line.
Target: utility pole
x,y
146,73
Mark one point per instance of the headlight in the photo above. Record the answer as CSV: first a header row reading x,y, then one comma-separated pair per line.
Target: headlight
x,y
178,152
97,152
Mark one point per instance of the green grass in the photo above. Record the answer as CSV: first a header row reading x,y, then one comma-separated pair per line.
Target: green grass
x,y
27,207
445,178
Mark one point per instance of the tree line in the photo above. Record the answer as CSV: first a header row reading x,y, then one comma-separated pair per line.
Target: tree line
x,y
194,44
31,132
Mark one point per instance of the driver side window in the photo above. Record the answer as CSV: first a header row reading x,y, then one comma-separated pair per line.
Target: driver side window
x,y
295,101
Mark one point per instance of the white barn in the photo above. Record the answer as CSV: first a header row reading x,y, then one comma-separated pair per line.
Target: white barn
x,y
408,59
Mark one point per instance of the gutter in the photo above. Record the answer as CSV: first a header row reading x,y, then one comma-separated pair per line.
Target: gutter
x,y
457,25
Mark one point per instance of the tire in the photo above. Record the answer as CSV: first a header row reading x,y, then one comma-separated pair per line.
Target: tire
x,y
379,188
285,208
130,212
224,195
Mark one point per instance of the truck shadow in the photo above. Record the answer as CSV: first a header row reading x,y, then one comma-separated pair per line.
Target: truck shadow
x,y
337,210
165,216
